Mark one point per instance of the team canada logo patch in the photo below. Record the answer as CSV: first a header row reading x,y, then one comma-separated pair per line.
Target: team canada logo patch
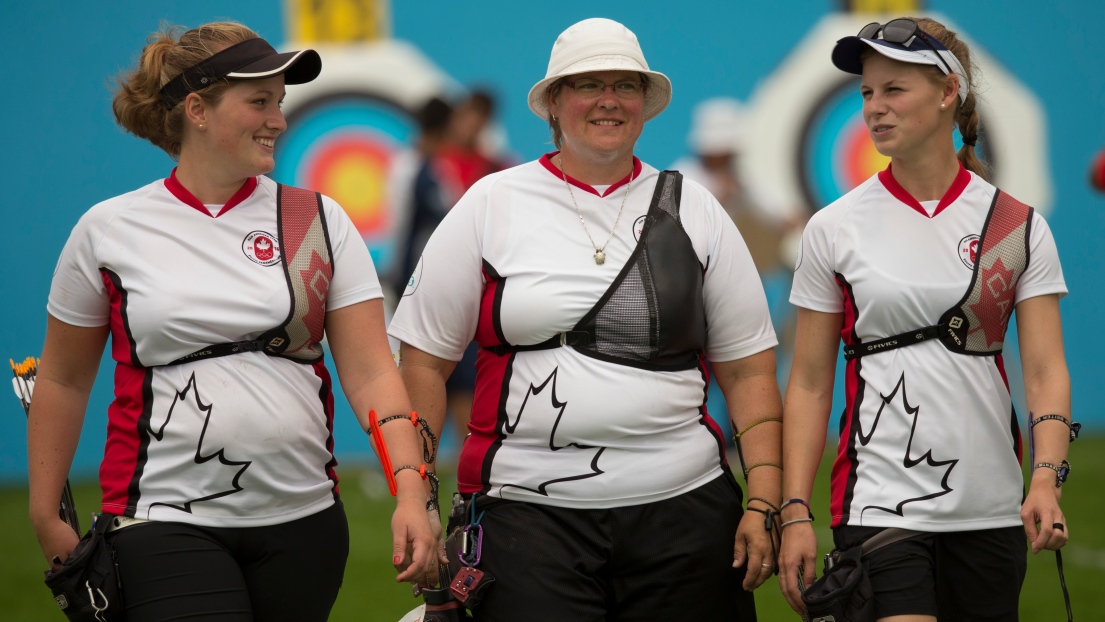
x,y
261,248
968,250
638,228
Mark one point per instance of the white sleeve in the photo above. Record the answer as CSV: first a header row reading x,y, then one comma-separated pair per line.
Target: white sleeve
x,y
77,292
815,286
354,277
1044,274
440,306
738,323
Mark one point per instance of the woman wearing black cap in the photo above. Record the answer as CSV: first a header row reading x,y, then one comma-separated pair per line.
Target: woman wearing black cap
x,y
216,285
918,270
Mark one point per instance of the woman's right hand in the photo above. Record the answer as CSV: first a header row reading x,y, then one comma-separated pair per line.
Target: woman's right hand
x,y
56,538
797,554
414,549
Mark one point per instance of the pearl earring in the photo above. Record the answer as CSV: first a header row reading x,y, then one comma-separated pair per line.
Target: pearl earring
x,y
202,126
943,106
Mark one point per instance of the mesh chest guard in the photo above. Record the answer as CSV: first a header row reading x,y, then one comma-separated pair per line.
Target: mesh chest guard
x,y
308,268
652,316
976,325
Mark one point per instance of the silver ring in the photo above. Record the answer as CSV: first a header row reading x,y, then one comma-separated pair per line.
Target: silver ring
x,y
768,565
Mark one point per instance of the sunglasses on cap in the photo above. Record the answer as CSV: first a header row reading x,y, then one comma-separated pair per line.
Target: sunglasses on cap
x,y
902,31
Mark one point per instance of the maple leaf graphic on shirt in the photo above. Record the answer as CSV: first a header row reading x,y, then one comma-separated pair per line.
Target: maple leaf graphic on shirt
x,y
210,474
568,462
889,486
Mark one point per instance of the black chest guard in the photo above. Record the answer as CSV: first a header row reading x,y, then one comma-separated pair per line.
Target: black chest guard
x,y
652,315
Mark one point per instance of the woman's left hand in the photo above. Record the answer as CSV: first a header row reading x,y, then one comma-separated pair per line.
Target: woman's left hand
x,y
753,547
414,550
1044,523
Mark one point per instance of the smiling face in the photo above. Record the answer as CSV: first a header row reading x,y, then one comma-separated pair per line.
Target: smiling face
x,y
901,106
598,130
241,128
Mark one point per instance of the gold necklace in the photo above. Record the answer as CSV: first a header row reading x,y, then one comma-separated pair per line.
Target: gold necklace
x,y
600,256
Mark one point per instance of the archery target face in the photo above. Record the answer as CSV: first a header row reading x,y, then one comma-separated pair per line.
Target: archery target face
x,y
343,146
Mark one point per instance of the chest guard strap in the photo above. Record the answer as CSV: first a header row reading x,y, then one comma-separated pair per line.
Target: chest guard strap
x,y
652,316
308,267
976,325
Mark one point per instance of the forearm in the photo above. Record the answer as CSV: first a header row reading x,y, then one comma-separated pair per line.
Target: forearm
x,y
805,417
755,410
426,387
53,431
1048,394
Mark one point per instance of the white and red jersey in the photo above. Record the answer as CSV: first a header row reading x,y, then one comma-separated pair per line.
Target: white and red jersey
x,y
511,263
928,439
237,441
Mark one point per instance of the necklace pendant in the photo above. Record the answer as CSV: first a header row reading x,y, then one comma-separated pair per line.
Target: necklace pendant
x,y
600,257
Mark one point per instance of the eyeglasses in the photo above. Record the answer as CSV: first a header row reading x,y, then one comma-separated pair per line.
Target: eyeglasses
x,y
901,31
591,88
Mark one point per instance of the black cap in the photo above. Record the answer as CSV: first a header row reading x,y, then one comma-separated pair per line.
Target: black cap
x,y
252,59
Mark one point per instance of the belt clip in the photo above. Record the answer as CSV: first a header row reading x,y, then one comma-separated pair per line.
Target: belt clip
x,y
563,339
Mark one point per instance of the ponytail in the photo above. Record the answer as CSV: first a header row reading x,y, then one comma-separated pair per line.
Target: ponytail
x,y
966,114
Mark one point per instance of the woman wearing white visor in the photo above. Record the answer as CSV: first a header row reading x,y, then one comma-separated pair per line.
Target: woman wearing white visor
x,y
597,288
917,270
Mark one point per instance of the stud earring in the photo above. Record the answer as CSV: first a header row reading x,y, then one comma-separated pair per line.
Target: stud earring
x,y
202,126
943,106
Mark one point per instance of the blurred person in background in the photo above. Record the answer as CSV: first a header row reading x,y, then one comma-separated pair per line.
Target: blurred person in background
x,y
918,270
416,185
218,472
718,139
597,289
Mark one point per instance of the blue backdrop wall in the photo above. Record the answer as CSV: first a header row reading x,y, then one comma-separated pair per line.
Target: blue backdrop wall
x,y
62,151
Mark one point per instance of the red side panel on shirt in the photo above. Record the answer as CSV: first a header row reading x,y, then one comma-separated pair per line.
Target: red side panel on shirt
x,y
843,478
123,347
492,388
707,420
124,451
489,401
326,396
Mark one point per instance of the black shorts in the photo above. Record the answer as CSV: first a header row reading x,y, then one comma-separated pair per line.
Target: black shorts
x,y
962,575
287,572
668,560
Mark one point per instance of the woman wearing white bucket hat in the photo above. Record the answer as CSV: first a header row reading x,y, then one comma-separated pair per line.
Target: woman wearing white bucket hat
x,y
597,288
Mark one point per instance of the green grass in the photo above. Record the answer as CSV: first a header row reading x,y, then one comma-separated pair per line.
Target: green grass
x,y
370,593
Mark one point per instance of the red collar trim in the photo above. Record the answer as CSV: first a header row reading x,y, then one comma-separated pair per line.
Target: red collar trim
x,y
958,186
173,185
546,161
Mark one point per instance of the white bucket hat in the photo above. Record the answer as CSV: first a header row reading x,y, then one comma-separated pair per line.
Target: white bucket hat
x,y
599,44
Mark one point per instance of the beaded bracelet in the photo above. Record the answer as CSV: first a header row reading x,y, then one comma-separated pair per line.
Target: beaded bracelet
x,y
765,502
429,440
425,474
760,464
1074,428
1062,471
797,502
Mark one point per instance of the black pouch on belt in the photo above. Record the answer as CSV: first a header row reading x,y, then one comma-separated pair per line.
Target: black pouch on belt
x,y
464,546
87,588
843,593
